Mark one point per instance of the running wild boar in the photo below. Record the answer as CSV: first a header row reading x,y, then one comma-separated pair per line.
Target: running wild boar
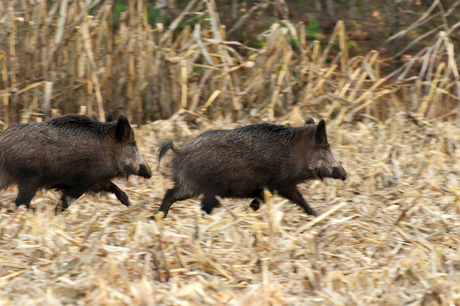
x,y
73,154
239,163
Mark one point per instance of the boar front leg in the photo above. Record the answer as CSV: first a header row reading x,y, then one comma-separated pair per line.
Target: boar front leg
x,y
120,194
258,199
70,195
26,191
292,193
109,186
208,202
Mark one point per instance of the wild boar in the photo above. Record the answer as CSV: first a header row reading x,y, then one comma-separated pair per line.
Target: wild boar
x,y
73,154
239,163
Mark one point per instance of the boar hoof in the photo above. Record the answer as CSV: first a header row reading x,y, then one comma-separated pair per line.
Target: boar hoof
x,y
124,199
311,212
255,205
153,217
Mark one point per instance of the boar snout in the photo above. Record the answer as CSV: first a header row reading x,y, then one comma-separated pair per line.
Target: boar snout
x,y
339,173
343,175
144,171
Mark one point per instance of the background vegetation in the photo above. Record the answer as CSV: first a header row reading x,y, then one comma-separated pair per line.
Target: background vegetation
x,y
147,60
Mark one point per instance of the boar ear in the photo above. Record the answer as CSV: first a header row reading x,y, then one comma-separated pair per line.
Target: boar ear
x,y
123,131
109,118
309,120
320,135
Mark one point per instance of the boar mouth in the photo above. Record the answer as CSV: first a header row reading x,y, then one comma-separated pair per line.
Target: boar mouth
x,y
143,171
320,173
128,170
337,173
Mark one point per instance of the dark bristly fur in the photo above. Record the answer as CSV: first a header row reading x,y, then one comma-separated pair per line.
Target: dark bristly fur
x,y
71,153
239,163
2,161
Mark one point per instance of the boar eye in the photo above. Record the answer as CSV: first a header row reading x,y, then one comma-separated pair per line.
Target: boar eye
x,y
134,144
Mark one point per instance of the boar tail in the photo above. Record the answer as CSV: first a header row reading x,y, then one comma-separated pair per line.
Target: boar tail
x,y
165,147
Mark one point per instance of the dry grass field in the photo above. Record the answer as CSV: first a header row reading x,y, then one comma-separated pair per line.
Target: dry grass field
x,y
386,236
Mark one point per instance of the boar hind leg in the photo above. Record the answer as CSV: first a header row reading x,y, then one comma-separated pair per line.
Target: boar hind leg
x,y
70,195
172,195
292,193
25,194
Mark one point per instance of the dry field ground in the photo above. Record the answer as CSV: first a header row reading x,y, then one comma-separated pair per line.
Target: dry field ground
x,y
386,236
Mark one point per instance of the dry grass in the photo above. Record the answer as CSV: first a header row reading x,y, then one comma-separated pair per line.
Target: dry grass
x,y
387,236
